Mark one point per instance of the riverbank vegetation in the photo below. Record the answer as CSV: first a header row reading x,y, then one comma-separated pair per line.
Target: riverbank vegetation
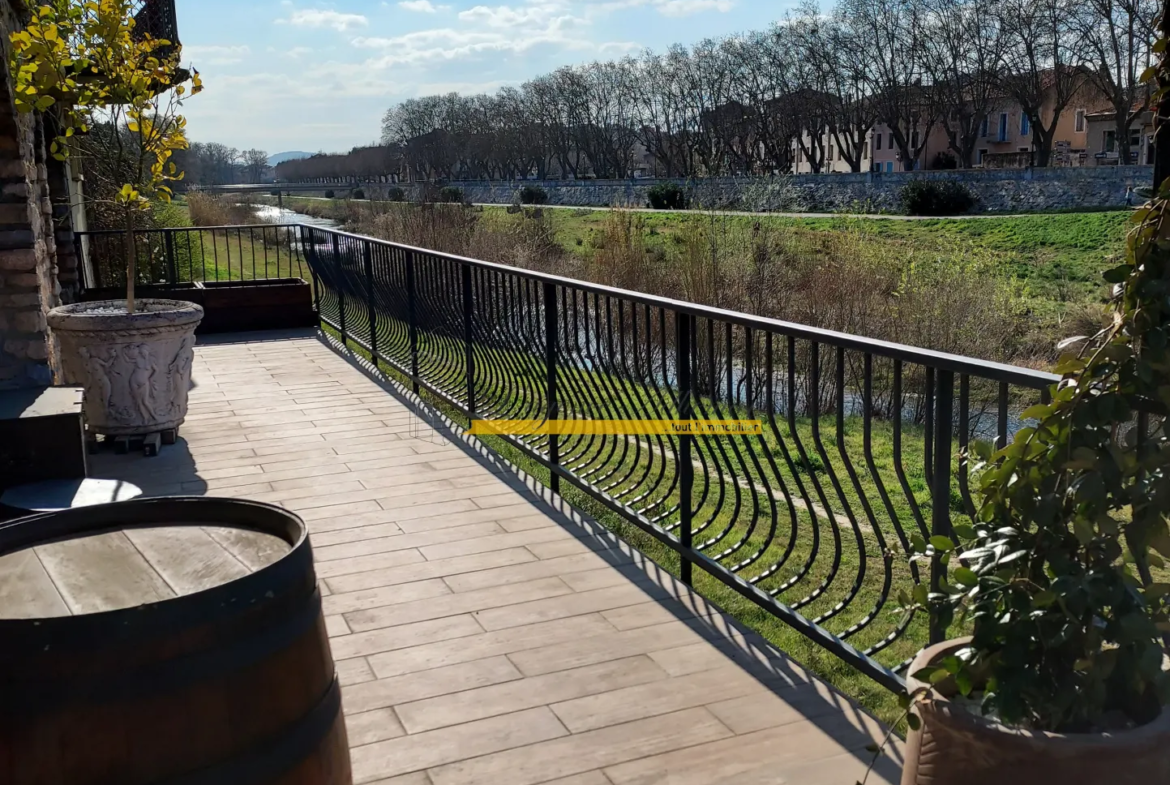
x,y
1004,288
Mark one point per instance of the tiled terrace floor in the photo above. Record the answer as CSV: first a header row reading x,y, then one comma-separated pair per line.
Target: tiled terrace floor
x,y
482,633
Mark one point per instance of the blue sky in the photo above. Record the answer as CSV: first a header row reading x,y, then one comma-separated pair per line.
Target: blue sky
x,y
308,75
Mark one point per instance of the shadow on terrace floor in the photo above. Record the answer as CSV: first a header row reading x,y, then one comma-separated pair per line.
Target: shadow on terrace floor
x,y
798,696
795,688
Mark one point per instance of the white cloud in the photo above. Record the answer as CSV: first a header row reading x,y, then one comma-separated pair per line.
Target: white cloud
x,y
672,8
463,88
297,52
619,47
680,8
313,17
216,55
420,6
500,29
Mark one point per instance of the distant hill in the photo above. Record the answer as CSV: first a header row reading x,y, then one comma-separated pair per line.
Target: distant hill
x,y
292,155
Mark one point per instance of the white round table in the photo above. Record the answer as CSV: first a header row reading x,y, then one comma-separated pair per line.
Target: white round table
x,y
56,495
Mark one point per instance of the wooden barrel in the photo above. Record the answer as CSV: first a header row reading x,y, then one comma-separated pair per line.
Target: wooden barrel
x,y
211,675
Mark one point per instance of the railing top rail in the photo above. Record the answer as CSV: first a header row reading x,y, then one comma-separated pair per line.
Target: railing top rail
x,y
987,369
172,229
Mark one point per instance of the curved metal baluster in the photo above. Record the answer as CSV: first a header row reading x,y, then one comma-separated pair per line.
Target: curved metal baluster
x,y
964,443
894,519
793,518
899,464
745,537
814,402
703,449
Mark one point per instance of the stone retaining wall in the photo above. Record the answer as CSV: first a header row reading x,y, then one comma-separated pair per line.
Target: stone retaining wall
x,y
997,190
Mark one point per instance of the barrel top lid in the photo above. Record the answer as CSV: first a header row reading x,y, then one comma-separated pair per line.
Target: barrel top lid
x,y
127,568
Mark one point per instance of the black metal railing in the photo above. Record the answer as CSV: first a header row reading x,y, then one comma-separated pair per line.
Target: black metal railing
x,y
191,255
813,521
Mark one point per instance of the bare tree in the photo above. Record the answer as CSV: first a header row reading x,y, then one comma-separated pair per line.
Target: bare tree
x,y
1040,70
889,36
963,55
255,164
1115,39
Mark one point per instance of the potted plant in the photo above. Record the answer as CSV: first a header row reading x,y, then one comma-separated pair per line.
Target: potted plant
x,y
1060,582
84,65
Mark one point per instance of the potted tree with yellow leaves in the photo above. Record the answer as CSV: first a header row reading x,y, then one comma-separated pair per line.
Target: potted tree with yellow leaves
x,y
84,64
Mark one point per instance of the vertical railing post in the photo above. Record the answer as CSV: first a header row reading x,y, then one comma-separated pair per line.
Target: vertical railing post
x,y
302,231
339,277
686,466
469,338
169,249
941,481
368,259
550,363
413,323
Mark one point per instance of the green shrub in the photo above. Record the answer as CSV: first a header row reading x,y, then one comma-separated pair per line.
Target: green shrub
x,y
667,196
451,195
330,195
395,194
358,193
936,197
533,194
274,193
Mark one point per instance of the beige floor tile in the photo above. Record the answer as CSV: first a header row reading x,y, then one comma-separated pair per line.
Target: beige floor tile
x,y
349,602
405,636
398,541
473,647
437,747
660,697
484,600
584,752
754,759
567,567
555,608
527,693
397,690
442,568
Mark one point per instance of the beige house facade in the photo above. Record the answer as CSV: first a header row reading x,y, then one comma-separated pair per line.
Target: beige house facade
x,y
1005,140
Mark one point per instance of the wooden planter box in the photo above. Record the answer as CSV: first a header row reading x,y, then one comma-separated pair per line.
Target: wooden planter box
x,y
239,306
235,306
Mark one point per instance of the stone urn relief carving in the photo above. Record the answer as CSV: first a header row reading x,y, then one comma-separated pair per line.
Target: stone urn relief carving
x,y
135,368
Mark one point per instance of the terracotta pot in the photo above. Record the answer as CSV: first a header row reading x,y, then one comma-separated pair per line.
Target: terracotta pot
x,y
954,746
136,368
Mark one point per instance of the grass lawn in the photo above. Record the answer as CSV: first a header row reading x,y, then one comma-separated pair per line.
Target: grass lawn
x,y
1057,258
1060,256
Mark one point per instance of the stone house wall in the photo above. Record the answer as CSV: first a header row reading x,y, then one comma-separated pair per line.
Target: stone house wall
x,y
34,275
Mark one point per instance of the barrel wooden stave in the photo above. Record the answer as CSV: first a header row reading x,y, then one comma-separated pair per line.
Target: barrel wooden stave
x,y
212,702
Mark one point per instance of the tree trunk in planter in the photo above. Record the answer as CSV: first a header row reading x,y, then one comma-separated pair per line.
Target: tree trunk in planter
x,y
135,367
954,746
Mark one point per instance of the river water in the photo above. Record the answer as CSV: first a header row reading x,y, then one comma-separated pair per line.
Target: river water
x,y
274,214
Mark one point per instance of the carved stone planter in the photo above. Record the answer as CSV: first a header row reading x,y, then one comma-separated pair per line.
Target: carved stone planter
x,y
136,368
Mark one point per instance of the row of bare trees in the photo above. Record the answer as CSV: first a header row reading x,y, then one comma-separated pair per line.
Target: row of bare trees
x,y
211,163
361,164
748,103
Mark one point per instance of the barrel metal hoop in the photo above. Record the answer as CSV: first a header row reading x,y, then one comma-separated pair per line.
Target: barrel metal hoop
x,y
28,698
278,755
